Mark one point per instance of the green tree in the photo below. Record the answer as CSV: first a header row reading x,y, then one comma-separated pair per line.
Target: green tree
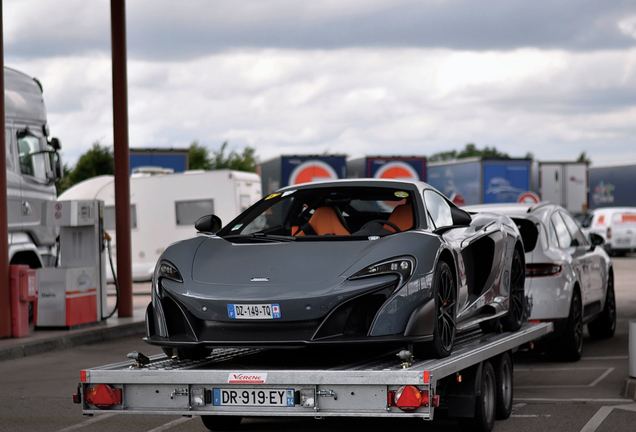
x,y
198,158
99,160
247,161
469,151
583,157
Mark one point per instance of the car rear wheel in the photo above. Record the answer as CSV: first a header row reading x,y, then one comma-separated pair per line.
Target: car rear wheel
x,y
517,297
445,297
570,345
604,325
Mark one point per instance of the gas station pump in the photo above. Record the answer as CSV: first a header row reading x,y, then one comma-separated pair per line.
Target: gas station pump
x,y
74,292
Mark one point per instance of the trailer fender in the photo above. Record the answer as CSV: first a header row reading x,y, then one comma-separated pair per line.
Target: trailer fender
x,y
461,391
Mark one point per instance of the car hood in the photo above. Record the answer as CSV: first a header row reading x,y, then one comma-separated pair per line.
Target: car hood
x,y
218,261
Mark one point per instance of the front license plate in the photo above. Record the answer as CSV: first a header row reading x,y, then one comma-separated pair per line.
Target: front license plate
x,y
253,311
253,397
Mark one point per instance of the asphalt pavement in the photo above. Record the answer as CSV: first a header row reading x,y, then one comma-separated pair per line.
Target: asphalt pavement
x,y
39,373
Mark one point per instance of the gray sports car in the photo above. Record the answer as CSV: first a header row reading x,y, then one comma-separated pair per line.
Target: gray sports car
x,y
339,262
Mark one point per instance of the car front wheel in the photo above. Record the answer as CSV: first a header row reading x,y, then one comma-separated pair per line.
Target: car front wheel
x,y
445,297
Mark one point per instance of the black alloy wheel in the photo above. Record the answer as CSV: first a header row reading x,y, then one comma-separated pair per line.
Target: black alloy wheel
x,y
604,326
569,346
445,297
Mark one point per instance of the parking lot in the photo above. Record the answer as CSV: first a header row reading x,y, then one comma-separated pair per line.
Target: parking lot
x,y
584,396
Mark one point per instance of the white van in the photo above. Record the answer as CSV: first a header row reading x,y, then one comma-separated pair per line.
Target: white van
x,y
33,167
164,207
617,226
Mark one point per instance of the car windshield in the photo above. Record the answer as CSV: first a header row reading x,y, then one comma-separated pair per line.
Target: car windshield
x,y
326,212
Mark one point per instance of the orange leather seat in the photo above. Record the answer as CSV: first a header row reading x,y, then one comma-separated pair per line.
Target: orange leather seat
x,y
325,221
402,217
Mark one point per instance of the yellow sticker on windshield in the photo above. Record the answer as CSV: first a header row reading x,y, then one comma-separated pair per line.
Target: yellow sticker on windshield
x,y
401,194
274,195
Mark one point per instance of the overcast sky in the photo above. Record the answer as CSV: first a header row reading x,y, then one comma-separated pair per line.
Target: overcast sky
x,y
359,77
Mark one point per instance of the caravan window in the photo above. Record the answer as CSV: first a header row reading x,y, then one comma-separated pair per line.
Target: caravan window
x,y
188,212
33,161
109,218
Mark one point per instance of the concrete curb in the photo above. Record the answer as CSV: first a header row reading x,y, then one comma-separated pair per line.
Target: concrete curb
x,y
71,340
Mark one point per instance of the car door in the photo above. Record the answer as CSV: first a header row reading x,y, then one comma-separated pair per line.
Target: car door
x,y
577,254
592,259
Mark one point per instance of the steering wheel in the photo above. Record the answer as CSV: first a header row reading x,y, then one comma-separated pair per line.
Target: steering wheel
x,y
383,222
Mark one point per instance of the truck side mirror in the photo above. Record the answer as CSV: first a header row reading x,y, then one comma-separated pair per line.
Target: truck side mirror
x,y
56,166
208,223
55,143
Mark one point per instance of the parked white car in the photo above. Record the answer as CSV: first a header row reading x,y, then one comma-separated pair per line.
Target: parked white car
x,y
569,277
617,226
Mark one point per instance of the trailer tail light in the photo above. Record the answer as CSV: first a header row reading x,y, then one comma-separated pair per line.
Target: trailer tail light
x,y
609,233
543,269
409,398
103,396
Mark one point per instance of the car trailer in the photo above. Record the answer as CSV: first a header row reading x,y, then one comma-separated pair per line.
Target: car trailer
x,y
474,384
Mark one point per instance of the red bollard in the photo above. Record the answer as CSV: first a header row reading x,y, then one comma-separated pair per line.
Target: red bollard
x,y
23,291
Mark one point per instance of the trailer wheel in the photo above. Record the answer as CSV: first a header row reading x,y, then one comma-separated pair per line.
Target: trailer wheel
x,y
445,297
221,423
486,402
503,373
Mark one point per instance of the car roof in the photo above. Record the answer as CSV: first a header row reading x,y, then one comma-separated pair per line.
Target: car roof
x,y
613,209
520,210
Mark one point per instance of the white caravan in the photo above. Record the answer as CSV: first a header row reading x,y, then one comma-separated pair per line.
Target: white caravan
x,y
33,167
165,207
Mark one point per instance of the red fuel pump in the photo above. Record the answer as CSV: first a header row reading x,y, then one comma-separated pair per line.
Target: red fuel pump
x,y
23,291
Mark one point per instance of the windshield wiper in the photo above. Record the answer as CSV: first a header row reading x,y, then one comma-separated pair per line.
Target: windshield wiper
x,y
261,236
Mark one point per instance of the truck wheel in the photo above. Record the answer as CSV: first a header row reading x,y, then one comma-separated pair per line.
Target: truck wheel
x,y
445,296
569,346
503,374
517,296
604,325
485,406
221,423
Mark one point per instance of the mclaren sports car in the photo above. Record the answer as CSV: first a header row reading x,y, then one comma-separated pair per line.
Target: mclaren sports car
x,y
339,262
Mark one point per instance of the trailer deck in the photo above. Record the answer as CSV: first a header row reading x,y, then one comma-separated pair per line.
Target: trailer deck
x,y
261,382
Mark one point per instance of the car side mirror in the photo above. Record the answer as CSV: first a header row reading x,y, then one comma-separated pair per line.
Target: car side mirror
x,y
208,223
596,240
460,217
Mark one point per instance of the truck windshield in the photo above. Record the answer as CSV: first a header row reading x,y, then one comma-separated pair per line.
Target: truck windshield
x,y
33,161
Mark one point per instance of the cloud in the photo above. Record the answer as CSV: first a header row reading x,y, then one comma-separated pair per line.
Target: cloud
x,y
358,101
165,30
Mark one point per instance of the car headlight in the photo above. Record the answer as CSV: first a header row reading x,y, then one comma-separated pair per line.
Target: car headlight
x,y
169,271
402,266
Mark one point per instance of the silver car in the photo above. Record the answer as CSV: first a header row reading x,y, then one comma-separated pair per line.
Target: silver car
x,y
569,278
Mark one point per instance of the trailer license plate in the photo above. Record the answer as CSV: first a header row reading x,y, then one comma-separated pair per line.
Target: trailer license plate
x,y
253,397
253,311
